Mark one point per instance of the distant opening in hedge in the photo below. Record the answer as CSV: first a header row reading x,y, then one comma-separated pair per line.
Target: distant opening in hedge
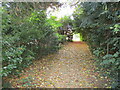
x,y
77,37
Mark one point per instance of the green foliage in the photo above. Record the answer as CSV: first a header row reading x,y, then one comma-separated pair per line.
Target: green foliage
x,y
66,20
54,22
61,38
26,37
100,27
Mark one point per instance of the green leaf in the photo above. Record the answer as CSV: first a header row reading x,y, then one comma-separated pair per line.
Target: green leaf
x,y
108,61
116,54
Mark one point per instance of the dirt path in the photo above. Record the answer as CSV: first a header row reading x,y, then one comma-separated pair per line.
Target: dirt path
x,y
71,67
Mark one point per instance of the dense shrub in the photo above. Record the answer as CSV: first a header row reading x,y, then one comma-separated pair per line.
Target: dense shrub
x,y
99,24
26,37
55,26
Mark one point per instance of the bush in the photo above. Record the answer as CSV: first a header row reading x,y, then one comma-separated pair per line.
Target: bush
x,y
100,27
25,40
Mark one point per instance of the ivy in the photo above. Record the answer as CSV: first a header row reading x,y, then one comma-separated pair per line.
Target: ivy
x,y
100,27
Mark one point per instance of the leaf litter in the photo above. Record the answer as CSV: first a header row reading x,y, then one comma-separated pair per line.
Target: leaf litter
x,y
72,67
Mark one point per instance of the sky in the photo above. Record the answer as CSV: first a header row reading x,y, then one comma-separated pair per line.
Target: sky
x,y
64,10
